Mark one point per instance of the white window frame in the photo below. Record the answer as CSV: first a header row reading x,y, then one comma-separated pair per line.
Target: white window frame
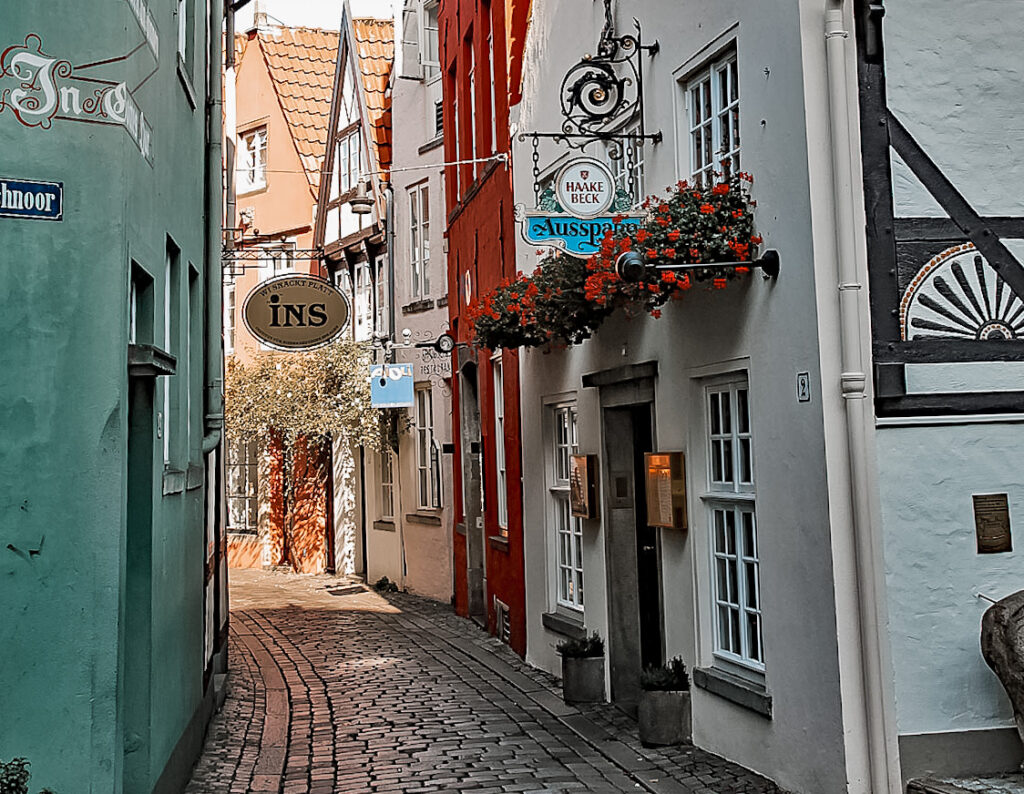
x,y
419,239
567,530
426,473
619,169
738,629
472,107
362,293
429,34
252,174
229,319
500,470
242,470
387,484
713,120
277,258
490,72
350,156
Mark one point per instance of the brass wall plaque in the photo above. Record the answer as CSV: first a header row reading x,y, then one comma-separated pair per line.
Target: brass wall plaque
x,y
992,523
295,312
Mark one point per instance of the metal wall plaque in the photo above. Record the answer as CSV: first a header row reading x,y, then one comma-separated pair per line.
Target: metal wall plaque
x,y
666,489
992,523
296,312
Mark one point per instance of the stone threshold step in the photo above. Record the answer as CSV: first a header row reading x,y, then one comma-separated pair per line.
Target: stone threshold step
x,y
994,784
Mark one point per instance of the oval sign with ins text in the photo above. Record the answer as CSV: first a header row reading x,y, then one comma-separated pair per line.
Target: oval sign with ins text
x,y
295,312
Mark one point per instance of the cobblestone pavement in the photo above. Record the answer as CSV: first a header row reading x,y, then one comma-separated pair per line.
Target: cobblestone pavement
x,y
335,689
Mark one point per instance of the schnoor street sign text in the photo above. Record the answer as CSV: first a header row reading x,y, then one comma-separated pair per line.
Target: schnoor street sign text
x,y
24,198
296,312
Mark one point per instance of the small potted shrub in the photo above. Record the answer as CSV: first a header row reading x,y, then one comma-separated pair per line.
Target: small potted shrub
x,y
582,669
664,713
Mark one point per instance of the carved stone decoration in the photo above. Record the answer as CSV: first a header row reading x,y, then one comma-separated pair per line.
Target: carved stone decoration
x,y
1002,645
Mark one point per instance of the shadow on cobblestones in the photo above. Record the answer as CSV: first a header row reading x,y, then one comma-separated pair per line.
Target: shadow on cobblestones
x,y
334,688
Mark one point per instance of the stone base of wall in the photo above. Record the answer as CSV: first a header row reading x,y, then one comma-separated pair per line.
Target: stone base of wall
x,y
960,753
244,551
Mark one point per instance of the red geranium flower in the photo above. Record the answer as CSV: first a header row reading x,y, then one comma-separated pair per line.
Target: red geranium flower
x,y
706,209
673,235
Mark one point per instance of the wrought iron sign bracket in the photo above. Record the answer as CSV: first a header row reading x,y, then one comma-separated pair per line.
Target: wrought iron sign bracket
x,y
631,266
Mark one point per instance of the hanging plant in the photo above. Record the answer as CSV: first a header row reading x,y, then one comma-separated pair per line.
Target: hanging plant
x,y
566,299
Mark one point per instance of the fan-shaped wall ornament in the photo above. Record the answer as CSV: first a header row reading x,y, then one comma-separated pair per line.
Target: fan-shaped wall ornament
x,y
958,295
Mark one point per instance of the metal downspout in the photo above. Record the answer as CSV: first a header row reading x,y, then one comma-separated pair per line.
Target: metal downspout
x,y
214,363
882,767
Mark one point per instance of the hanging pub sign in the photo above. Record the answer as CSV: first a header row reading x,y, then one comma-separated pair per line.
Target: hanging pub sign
x,y
579,210
295,312
391,386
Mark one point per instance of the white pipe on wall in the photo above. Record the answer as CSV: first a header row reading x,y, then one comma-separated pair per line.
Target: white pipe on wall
x,y
882,764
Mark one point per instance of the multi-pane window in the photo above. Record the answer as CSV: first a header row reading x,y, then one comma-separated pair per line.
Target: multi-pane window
x,y
713,106
363,303
426,470
242,494
627,161
429,47
419,236
494,93
229,319
387,485
186,33
730,499
568,529
498,379
252,173
277,259
349,155
472,107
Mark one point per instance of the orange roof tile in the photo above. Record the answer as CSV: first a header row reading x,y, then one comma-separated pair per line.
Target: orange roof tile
x,y
301,63
375,48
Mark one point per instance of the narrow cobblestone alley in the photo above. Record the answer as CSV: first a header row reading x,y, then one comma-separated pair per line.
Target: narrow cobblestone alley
x,y
336,688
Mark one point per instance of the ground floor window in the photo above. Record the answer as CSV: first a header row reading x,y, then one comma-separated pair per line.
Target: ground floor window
x,y
387,485
568,529
737,589
242,486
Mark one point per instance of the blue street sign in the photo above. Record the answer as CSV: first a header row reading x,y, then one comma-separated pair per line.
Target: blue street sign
x,y
391,386
22,198
578,236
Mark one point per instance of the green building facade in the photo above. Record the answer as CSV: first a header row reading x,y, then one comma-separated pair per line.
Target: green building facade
x,y
111,573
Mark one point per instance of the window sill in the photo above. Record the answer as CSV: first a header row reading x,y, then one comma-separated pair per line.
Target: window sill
x,y
149,361
564,625
186,83
432,144
461,529
736,690
498,542
423,518
416,307
252,190
173,481
442,301
194,476
384,526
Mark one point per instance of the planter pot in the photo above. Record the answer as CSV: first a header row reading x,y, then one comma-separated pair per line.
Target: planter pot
x,y
664,718
583,679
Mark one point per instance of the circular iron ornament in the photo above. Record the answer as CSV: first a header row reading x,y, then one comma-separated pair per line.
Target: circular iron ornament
x,y
592,89
295,312
585,187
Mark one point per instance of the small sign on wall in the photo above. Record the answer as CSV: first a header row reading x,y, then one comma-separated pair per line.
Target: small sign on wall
x,y
23,198
992,523
583,486
666,489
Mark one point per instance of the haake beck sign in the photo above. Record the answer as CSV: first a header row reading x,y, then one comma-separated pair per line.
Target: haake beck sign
x,y
585,187
22,198
295,312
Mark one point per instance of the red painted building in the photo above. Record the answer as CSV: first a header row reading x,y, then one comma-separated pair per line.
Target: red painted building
x,y
481,45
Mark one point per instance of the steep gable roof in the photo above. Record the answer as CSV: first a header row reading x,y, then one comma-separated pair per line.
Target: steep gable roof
x,y
301,64
375,52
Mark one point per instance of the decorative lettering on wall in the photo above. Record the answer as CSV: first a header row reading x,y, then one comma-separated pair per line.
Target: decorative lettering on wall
x,y
39,89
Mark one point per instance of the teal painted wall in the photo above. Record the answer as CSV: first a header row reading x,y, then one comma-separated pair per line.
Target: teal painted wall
x,y
64,398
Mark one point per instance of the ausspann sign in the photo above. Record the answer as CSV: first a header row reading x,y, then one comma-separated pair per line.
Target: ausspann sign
x,y
295,312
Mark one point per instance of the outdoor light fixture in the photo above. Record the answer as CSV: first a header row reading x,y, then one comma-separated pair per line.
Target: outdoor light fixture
x,y
631,266
360,203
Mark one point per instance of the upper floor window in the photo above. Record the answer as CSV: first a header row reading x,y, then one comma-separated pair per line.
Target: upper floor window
x,y
498,380
252,173
627,162
277,259
363,302
430,51
733,527
713,120
419,237
427,474
349,160
186,33
229,319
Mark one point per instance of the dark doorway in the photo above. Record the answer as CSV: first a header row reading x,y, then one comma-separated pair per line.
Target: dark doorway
x,y
631,548
472,495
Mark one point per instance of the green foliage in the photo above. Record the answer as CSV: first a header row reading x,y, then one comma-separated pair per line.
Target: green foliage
x,y
14,777
582,648
671,677
317,395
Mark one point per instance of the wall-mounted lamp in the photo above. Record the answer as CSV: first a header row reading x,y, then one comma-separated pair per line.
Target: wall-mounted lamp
x,y
631,266
360,203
